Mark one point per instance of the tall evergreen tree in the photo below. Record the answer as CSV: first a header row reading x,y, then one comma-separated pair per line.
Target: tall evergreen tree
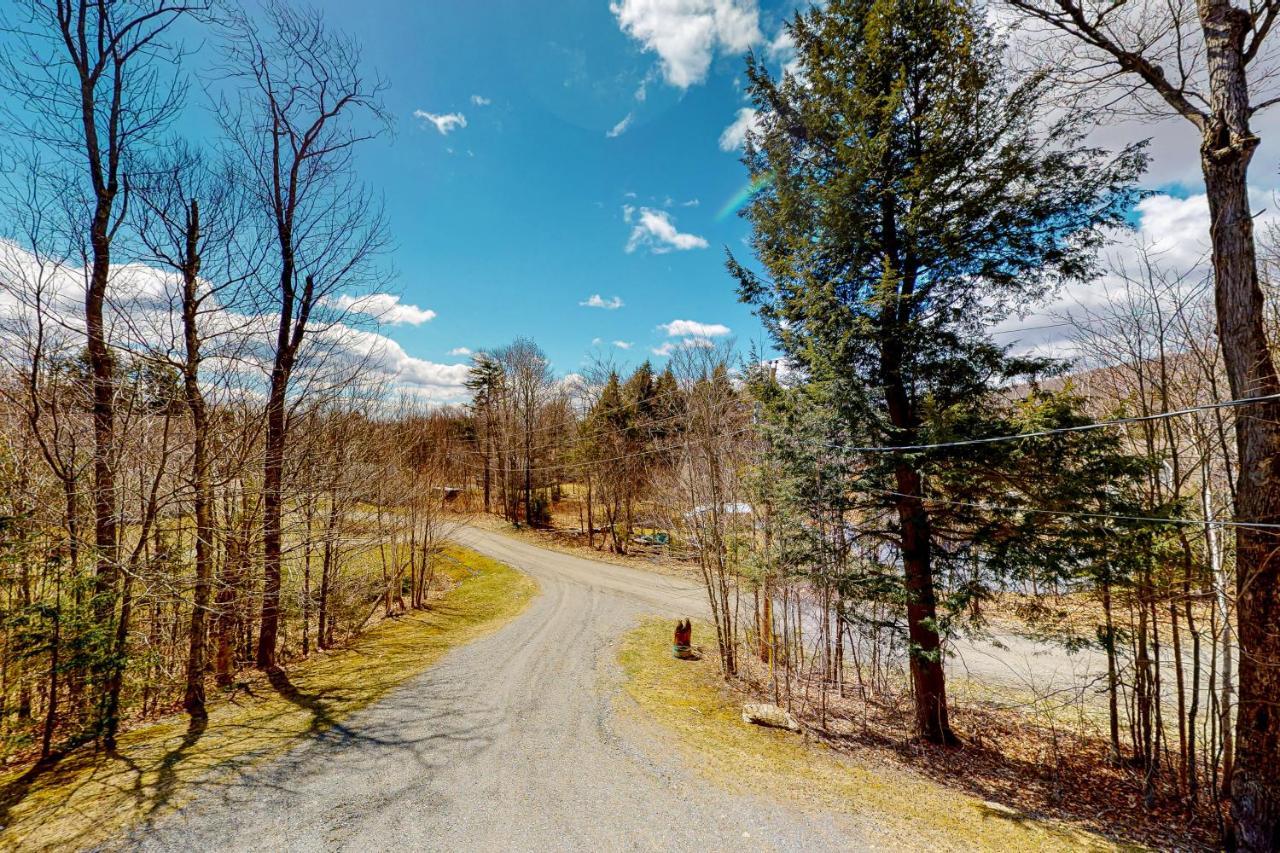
x,y
485,381
911,198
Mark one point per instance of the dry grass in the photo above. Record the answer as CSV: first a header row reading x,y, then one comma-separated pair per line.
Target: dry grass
x,y
90,796
691,700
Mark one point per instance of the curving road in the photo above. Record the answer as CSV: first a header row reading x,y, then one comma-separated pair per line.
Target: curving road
x,y
509,743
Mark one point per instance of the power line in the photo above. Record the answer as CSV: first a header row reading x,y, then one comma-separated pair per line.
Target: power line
x,y
1249,525
1095,425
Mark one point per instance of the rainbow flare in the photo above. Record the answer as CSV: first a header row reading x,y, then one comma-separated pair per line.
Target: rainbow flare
x,y
744,195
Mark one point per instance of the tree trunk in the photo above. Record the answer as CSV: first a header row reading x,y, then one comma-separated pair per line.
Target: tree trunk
x,y
102,370
1226,151
193,698
488,461
51,705
591,521
228,603
115,678
926,647
1226,676
272,484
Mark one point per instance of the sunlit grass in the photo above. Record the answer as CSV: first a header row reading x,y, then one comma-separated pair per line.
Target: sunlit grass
x,y
690,699
90,796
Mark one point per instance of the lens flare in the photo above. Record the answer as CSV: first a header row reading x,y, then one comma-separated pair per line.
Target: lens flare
x,y
744,195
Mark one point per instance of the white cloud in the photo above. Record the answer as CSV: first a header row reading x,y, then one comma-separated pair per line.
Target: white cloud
x,y
595,342
480,100
598,301
446,123
386,307
1175,235
686,34
621,127
463,351
692,328
380,357
658,233
782,46
669,347
143,312
623,344
735,134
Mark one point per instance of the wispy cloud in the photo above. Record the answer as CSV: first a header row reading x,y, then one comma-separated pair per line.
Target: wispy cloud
x,y
386,307
446,123
480,100
623,344
621,127
598,301
655,230
685,34
462,351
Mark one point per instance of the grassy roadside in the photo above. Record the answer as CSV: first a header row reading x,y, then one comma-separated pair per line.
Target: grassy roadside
x,y
90,796
689,699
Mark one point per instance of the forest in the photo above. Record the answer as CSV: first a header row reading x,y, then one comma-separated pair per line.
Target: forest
x,y
205,474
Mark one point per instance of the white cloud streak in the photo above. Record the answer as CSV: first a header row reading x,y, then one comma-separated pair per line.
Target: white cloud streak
x,y
445,123
655,231
595,300
385,307
621,127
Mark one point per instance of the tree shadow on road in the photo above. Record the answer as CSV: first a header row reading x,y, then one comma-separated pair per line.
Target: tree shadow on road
x,y
322,718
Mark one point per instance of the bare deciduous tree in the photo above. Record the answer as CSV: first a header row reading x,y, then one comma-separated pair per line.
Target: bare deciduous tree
x,y
305,104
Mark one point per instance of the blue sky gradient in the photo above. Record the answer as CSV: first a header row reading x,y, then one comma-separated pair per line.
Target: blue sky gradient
x,y
504,226
559,171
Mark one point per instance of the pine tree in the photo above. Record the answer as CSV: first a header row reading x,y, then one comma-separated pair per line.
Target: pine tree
x,y
908,204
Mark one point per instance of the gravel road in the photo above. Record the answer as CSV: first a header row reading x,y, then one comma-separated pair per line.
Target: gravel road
x,y
509,743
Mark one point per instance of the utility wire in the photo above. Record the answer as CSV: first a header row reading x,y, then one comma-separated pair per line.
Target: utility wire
x,y
1095,425
1248,525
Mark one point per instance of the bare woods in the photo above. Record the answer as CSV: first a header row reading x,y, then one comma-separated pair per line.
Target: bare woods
x,y
204,469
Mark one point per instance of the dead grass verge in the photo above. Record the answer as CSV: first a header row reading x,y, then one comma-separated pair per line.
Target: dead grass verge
x,y
913,811
89,796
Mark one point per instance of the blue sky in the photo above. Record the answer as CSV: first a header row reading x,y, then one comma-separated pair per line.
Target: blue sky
x,y
558,171
589,113
576,135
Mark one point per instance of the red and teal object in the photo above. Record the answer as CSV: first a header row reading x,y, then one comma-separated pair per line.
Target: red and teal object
x,y
683,646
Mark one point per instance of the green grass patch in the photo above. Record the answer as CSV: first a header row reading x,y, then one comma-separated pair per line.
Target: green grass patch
x,y
89,796
690,699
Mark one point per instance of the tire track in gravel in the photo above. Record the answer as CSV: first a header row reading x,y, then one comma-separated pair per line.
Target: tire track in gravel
x,y
508,743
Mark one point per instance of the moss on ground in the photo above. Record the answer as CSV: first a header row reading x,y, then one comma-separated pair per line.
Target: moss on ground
x,y
89,796
690,699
